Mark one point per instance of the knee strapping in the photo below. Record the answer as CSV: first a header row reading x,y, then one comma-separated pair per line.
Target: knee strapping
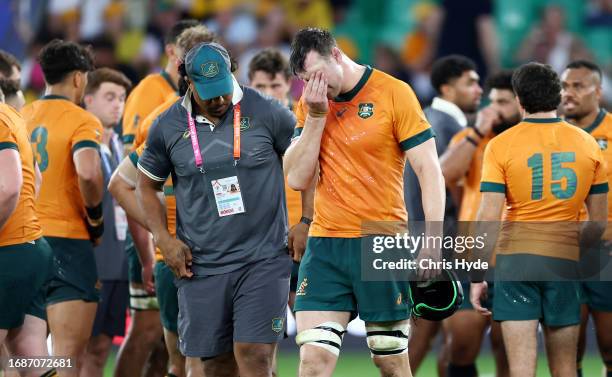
x,y
388,340
327,335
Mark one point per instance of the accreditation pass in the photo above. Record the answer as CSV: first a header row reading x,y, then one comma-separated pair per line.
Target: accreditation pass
x,y
228,196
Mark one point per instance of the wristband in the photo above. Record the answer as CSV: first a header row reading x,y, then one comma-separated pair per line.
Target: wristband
x,y
306,220
94,213
471,141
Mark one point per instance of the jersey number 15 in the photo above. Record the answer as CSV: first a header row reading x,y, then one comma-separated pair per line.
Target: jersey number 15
x,y
558,172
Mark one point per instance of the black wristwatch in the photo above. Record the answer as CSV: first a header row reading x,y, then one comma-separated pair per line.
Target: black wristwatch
x,y
306,220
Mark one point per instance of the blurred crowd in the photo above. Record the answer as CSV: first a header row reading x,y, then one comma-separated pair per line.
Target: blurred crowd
x,y
401,37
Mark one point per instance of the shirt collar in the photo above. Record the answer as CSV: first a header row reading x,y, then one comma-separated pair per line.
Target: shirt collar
x,y
450,109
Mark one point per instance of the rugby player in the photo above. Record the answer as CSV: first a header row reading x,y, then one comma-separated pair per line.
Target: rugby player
x,y
65,139
26,259
542,169
357,125
580,99
461,166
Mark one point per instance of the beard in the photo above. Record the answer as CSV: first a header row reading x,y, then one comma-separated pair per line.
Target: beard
x,y
506,123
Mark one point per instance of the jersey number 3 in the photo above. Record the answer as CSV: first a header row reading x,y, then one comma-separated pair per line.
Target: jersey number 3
x,y
558,173
39,144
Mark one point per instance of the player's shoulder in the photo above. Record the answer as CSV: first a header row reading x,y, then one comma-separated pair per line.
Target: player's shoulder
x,y
11,115
84,116
150,80
150,84
380,79
606,122
6,120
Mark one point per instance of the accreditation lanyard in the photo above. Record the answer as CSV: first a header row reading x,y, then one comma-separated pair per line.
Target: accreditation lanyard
x,y
196,145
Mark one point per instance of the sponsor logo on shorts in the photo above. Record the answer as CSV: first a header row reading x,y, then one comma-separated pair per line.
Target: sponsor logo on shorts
x,y
399,299
301,291
98,285
278,324
365,110
186,134
603,143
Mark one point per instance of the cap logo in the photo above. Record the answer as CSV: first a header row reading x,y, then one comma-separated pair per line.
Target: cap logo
x,y
210,69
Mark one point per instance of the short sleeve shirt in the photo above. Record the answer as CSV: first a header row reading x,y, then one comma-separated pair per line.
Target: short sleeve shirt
x,y
224,244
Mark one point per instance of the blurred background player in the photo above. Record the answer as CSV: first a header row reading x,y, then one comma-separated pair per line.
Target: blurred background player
x,y
9,66
13,96
580,99
66,142
145,330
462,166
26,258
341,100
105,98
270,74
455,79
122,187
526,151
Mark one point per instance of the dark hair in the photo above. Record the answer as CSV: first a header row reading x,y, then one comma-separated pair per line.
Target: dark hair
x,y
9,87
270,61
102,75
177,29
500,80
449,68
576,64
59,58
7,62
537,87
306,40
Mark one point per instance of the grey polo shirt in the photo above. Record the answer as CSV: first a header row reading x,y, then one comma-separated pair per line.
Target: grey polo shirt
x,y
223,244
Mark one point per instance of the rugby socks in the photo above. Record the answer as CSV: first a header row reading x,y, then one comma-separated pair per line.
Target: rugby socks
x,y
171,375
49,373
461,370
578,368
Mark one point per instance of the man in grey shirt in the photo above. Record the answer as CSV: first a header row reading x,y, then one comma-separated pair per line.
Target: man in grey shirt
x,y
222,145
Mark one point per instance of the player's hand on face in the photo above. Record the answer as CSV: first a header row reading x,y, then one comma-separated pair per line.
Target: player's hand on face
x,y
147,278
315,94
177,256
486,119
298,234
479,292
